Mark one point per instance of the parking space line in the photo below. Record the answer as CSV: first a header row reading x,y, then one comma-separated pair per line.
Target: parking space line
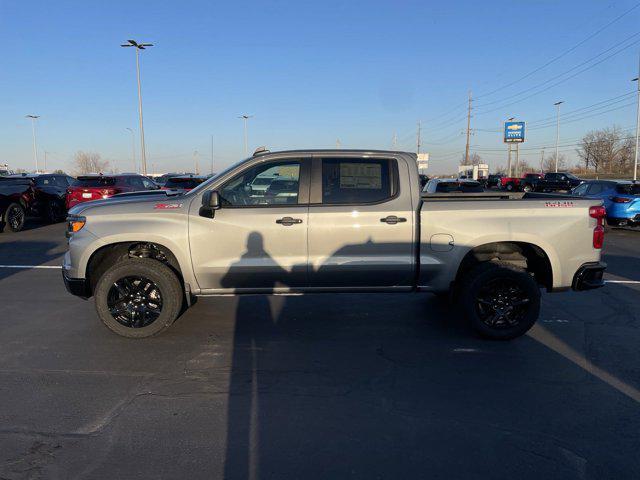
x,y
26,267
623,281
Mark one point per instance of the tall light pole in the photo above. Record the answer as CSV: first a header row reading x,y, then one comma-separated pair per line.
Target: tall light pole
x,y
557,104
33,129
246,144
635,163
133,149
211,154
138,47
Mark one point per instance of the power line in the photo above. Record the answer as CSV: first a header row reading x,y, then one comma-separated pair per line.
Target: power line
x,y
562,74
563,54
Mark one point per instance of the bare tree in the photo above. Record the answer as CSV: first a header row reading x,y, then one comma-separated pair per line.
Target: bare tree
x,y
474,159
549,162
89,162
605,150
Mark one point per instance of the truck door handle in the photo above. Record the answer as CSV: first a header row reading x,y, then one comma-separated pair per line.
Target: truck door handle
x,y
392,219
287,221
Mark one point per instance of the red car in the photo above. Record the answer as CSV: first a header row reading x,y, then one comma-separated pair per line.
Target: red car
x,y
184,182
515,183
98,187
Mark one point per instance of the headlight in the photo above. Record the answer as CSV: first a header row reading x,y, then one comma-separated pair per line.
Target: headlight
x,y
74,224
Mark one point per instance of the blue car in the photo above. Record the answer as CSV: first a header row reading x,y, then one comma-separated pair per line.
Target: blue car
x,y
621,199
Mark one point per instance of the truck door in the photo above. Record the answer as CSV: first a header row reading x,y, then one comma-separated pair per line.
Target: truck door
x,y
257,240
361,223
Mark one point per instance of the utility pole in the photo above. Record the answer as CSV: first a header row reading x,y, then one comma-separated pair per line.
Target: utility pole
x,y
466,152
195,162
338,143
418,136
35,145
635,162
45,162
138,47
542,161
246,143
211,154
557,104
517,159
133,149
395,141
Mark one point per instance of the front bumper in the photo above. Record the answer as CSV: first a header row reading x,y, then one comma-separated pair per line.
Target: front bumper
x,y
589,276
76,286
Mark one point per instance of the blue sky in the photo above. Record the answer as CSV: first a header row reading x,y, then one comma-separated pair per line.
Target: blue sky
x,y
310,72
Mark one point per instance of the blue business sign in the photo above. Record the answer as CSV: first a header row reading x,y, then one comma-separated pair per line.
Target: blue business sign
x,y
513,132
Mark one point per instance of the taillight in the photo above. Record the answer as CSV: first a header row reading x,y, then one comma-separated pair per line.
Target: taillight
x,y
107,192
599,214
620,200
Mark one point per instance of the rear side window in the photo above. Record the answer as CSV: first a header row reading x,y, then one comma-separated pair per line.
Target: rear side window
x,y
357,181
94,182
595,188
628,189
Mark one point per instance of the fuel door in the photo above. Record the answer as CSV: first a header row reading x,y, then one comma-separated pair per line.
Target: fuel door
x,y
441,242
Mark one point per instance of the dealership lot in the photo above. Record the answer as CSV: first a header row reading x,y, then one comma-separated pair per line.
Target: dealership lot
x,y
326,386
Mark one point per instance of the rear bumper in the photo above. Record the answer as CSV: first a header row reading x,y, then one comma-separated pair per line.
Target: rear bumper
x,y
589,276
76,286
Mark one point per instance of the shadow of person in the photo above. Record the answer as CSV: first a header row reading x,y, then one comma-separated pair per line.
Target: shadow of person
x,y
254,327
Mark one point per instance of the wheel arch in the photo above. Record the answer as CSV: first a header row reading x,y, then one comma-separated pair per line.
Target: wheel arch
x,y
105,256
530,257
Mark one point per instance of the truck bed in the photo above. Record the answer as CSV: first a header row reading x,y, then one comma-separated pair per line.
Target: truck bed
x,y
452,224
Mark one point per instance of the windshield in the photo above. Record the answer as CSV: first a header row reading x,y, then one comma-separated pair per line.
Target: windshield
x,y
628,188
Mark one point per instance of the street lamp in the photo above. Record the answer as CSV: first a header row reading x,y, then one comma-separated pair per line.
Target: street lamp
x,y
557,104
133,148
33,129
245,118
138,47
635,162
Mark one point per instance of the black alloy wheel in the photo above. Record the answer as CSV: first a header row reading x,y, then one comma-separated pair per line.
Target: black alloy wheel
x,y
501,304
134,301
55,212
15,217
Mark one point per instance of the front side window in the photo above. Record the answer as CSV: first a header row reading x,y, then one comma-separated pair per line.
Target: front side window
x,y
355,181
581,190
276,183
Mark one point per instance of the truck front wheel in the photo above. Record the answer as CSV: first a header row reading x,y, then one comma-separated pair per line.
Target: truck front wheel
x,y
138,297
501,301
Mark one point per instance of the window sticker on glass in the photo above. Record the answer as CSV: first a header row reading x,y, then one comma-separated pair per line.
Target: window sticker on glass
x,y
360,175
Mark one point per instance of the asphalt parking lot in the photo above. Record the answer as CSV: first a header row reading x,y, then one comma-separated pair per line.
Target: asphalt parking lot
x,y
325,386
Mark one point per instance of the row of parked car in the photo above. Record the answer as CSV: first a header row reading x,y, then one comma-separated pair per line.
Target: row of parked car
x,y
621,198
49,196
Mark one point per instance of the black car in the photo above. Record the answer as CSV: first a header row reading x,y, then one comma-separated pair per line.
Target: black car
x,y
493,180
16,195
552,182
48,195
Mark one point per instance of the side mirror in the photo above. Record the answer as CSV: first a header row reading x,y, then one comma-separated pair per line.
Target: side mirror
x,y
210,203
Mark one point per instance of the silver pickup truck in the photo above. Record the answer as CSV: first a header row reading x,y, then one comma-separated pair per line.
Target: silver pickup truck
x,y
330,221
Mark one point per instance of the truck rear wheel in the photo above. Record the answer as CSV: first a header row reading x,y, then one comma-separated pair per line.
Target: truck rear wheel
x,y
501,301
138,297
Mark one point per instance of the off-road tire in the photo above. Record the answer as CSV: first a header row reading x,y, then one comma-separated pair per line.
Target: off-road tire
x,y
477,280
164,279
